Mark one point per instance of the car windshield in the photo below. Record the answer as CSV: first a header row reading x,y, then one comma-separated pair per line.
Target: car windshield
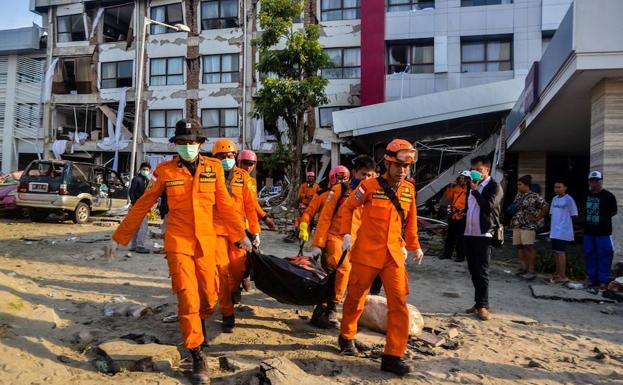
x,y
49,169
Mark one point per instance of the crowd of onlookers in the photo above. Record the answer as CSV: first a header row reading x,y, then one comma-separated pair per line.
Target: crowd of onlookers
x,y
529,213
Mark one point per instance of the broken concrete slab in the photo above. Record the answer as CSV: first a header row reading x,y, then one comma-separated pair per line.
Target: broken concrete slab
x,y
282,371
563,294
431,339
128,355
374,316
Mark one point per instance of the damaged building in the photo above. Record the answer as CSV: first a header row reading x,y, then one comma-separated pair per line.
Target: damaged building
x,y
208,73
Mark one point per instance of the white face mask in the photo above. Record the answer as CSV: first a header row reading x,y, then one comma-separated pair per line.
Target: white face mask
x,y
228,163
188,152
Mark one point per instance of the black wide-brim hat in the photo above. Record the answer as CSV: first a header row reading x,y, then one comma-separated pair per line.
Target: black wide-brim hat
x,y
188,129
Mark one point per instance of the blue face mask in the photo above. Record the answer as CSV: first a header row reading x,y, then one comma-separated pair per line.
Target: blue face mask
x,y
354,182
228,164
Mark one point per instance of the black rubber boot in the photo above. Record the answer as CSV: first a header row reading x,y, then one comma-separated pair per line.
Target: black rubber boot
x,y
201,373
394,365
347,347
332,314
236,297
229,322
319,317
204,329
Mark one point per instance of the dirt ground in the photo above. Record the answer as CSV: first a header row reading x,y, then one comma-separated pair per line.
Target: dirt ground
x,y
55,284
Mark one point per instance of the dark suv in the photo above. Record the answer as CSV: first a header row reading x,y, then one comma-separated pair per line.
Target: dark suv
x,y
76,188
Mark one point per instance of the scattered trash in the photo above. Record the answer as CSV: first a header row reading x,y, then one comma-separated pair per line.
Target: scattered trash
x,y
127,355
575,285
85,337
11,274
71,239
508,272
28,242
120,306
431,339
170,319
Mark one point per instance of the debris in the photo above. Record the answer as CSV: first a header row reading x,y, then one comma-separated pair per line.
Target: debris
x,y
170,319
575,285
11,274
63,359
128,355
451,295
141,338
120,306
374,316
71,239
525,321
560,293
537,364
451,333
608,310
431,339
226,363
451,345
85,337
245,309
282,371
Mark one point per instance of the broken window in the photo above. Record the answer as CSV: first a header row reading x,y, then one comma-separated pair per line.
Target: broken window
x,y
220,122
117,22
221,69
484,54
162,122
339,10
73,76
70,28
345,63
413,57
217,14
117,74
166,71
326,115
169,14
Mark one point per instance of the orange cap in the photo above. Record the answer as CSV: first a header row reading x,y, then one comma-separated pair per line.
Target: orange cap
x,y
224,145
400,151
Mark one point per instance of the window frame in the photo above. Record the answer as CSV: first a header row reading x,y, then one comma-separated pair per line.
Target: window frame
x,y
166,71
470,3
410,44
71,32
221,20
154,27
167,133
341,9
341,67
414,5
335,108
221,127
486,40
116,78
220,72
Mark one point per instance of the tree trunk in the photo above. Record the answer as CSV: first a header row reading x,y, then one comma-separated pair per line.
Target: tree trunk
x,y
296,167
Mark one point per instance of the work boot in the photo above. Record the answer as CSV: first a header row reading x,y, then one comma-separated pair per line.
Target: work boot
x,y
320,317
204,329
229,322
394,365
246,284
236,297
332,314
347,347
201,373
483,314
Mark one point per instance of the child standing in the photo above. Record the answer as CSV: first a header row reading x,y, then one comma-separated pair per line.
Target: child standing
x,y
562,211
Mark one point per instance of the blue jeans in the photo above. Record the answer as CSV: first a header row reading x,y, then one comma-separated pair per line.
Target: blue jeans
x,y
598,252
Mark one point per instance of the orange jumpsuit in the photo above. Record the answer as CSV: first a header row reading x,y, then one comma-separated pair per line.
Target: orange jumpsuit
x,y
242,189
190,239
379,251
315,206
307,192
328,236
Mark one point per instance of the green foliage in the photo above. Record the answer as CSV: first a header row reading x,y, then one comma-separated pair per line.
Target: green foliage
x,y
545,263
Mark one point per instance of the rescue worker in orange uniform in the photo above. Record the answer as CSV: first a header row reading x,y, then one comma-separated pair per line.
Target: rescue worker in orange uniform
x,y
315,207
308,189
456,196
242,189
328,237
247,160
388,229
195,187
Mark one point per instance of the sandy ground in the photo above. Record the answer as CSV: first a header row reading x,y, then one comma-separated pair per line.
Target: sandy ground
x,y
57,286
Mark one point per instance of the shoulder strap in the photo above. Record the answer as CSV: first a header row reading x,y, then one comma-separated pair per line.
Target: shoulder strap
x,y
344,188
394,199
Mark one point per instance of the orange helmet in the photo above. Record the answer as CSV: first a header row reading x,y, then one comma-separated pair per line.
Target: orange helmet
x,y
224,145
338,173
400,151
247,155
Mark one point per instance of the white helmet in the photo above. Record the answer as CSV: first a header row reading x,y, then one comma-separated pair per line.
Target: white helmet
x,y
466,174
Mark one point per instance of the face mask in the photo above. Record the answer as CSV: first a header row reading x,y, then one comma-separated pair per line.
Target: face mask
x,y
145,173
188,152
228,164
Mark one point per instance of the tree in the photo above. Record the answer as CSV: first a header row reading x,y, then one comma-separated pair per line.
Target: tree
x,y
292,85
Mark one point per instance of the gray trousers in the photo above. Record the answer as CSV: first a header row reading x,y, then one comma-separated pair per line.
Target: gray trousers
x,y
139,238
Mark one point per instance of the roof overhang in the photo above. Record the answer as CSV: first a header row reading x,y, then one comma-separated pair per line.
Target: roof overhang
x,y
430,108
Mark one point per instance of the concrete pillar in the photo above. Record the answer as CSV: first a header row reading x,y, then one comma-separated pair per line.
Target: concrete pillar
x,y
533,163
9,161
335,154
607,145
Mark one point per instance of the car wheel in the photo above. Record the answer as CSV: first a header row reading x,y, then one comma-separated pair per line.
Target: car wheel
x,y
37,215
81,213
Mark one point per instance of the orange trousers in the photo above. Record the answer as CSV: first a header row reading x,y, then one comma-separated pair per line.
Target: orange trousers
x,y
394,280
333,253
194,281
237,266
225,304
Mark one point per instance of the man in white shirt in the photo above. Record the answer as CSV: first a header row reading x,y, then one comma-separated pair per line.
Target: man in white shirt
x,y
562,210
483,217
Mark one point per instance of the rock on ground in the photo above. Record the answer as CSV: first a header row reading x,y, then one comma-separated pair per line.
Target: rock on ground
x,y
127,355
374,316
282,371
